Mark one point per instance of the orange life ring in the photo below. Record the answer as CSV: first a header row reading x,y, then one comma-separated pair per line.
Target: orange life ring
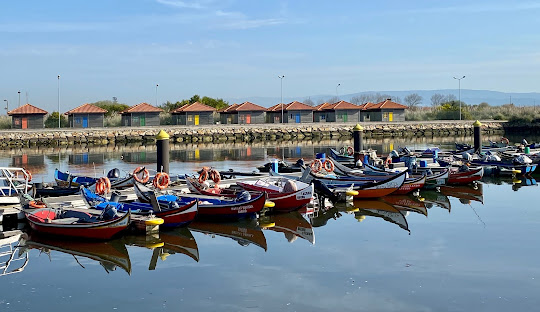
x,y
144,177
215,176
204,175
161,180
37,204
316,165
103,186
387,162
328,165
505,140
350,150
27,175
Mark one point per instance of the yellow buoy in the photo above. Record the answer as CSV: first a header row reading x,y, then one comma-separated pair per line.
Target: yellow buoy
x,y
421,198
351,193
516,171
154,245
269,204
360,218
154,221
164,256
516,181
266,225
352,209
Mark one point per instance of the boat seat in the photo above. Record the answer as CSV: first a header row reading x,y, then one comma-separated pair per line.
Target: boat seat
x,y
65,220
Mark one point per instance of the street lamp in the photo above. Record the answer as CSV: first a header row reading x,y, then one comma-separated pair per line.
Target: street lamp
x,y
337,94
281,78
156,93
19,98
58,101
7,105
459,98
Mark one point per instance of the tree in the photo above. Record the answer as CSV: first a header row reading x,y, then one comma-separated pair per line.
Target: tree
x,y
483,105
361,99
333,100
309,102
413,100
112,107
52,121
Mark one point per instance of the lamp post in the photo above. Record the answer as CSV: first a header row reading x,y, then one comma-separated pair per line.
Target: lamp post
x,y
19,98
7,105
58,101
157,85
281,79
337,94
459,92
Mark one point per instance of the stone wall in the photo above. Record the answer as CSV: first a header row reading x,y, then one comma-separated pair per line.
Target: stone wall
x,y
239,133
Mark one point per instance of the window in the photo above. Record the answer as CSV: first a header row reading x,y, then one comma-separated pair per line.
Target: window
x,y
17,121
78,120
189,118
323,117
135,119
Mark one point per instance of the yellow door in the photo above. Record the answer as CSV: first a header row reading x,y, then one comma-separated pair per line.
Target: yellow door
x,y
390,116
196,120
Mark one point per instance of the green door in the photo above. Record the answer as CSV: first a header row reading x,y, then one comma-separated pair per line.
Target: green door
x,y
345,117
142,120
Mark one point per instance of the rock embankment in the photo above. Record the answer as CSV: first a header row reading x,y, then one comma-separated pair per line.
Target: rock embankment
x,y
239,133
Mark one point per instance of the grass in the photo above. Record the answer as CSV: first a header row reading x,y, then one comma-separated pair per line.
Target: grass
x,y
5,122
509,112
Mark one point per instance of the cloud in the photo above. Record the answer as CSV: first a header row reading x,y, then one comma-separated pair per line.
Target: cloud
x,y
183,4
477,8
249,24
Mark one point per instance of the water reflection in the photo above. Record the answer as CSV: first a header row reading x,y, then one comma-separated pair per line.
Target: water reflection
x,y
293,225
434,198
244,232
465,193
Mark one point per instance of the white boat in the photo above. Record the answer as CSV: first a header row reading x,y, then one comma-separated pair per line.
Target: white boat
x,y
13,181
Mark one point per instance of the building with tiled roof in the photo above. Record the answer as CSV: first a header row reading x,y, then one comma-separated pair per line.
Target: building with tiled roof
x,y
386,110
86,116
245,113
341,111
194,114
142,114
27,117
294,112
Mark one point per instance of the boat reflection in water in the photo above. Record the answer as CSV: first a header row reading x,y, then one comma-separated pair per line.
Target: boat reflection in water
x,y
244,231
433,198
292,224
110,254
465,193
407,203
13,257
523,182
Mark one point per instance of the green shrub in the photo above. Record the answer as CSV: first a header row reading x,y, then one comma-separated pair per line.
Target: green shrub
x,y
114,120
5,122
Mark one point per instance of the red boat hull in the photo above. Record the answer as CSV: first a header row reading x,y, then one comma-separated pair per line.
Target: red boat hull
x,y
237,210
466,177
411,186
177,217
284,202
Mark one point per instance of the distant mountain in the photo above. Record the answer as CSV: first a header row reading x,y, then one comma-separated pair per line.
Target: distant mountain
x,y
493,98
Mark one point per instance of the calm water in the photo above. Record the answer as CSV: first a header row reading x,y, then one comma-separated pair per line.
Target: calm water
x,y
461,249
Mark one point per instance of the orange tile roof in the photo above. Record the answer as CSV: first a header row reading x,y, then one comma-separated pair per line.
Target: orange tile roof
x,y
322,106
386,104
291,106
86,109
194,107
248,106
337,106
142,108
229,109
27,109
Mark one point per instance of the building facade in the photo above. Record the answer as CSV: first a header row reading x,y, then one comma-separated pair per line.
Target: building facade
x,y
193,115
86,116
383,111
245,113
341,111
141,115
27,117
294,112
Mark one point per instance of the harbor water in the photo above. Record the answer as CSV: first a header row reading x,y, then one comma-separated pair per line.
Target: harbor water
x,y
468,248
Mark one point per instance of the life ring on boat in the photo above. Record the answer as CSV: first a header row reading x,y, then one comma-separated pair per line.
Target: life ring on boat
x,y
316,165
387,162
215,176
350,150
27,175
37,204
328,165
145,176
204,175
103,186
161,180
505,140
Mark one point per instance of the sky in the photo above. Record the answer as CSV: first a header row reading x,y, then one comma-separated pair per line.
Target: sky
x,y
237,48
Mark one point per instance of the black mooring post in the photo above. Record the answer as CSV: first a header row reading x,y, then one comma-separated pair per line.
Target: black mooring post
x,y
162,144
477,137
358,137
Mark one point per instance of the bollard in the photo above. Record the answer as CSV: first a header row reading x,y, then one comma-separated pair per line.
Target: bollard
x,y
358,137
477,137
162,144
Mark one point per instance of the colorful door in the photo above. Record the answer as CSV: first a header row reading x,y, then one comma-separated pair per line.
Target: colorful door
x,y
85,122
391,116
248,118
24,123
142,120
345,117
196,120
297,118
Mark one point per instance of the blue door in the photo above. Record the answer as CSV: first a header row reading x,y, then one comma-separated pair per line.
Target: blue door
x,y
85,122
297,118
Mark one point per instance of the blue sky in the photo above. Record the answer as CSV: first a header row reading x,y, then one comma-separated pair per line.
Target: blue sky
x,y
237,48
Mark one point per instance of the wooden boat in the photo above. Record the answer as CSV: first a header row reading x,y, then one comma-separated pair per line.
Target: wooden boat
x,y
110,254
340,156
433,180
175,214
75,223
13,181
210,206
42,190
283,167
66,179
293,225
300,193
365,189
244,232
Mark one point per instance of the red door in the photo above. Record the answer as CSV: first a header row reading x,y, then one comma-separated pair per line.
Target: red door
x,y
248,118
24,123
